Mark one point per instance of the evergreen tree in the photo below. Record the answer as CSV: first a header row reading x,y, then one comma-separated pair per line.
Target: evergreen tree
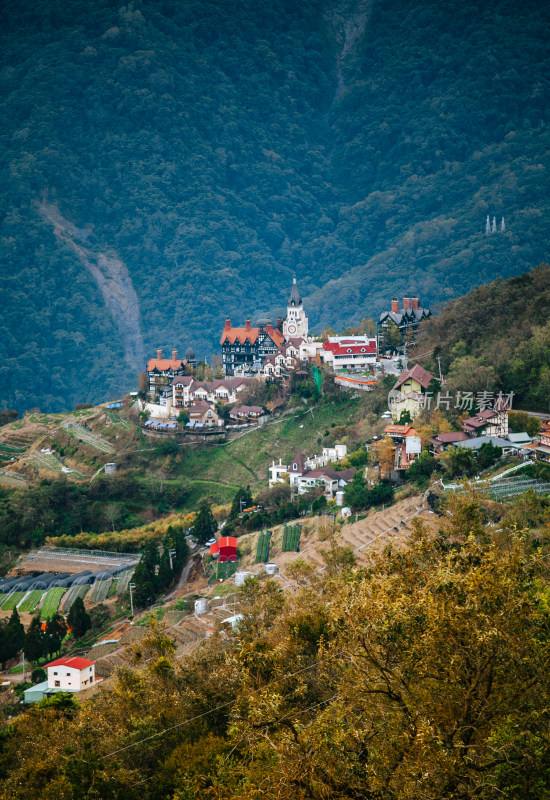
x,y
150,559
56,629
5,650
243,499
16,633
205,526
78,619
144,589
165,574
34,646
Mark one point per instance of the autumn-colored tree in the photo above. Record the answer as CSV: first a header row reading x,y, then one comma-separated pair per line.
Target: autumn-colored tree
x,y
382,453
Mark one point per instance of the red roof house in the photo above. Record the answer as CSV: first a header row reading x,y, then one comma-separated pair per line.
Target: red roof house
x,y
225,548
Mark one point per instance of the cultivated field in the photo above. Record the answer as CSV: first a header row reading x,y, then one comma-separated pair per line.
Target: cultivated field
x,y
50,602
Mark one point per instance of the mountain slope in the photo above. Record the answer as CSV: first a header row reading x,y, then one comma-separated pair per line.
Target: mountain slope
x,y
497,337
215,150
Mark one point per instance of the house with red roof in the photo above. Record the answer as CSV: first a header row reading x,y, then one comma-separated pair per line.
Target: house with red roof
x,y
409,391
161,371
407,445
204,414
349,352
246,413
417,379
441,441
225,549
245,349
187,389
489,422
328,478
71,674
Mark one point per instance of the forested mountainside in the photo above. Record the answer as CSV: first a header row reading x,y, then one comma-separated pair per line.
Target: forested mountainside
x,y
497,338
167,163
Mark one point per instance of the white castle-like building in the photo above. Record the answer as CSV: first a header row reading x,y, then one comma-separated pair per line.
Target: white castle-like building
x,y
296,323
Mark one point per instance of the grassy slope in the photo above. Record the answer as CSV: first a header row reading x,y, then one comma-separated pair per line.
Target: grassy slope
x,y
246,460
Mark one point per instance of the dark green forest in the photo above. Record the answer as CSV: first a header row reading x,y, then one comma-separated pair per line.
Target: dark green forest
x,y
496,338
167,163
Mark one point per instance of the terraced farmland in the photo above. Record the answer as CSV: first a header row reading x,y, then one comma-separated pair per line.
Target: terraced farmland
x,y
51,601
51,463
32,599
91,439
12,600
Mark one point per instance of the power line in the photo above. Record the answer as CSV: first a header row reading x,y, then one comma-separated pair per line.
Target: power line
x,y
204,714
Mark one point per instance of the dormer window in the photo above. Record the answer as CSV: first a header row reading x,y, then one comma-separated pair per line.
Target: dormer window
x,y
295,466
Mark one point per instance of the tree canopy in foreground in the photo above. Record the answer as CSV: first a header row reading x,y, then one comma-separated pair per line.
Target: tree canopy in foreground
x,y
424,676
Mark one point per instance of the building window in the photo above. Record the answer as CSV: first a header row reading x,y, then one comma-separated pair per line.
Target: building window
x,y
57,683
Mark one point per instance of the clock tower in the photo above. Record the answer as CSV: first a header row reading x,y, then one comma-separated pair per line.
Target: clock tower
x,y
296,324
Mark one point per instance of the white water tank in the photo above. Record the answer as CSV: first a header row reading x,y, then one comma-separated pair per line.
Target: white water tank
x,y
201,605
271,568
241,576
110,468
339,498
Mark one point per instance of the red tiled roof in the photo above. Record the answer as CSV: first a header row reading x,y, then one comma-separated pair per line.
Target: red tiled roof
x,y
74,661
243,335
164,364
350,346
246,410
298,459
445,438
417,373
400,430
227,541
481,419
332,474
186,380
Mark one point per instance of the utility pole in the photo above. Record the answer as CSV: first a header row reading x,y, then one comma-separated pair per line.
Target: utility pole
x,y
170,554
440,376
132,586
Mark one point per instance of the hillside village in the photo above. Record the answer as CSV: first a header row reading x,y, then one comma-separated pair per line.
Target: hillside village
x,y
287,455
177,401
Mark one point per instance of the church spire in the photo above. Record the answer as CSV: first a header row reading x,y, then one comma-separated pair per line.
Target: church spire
x,y
295,299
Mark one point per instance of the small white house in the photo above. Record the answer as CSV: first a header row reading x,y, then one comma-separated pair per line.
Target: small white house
x,y
71,674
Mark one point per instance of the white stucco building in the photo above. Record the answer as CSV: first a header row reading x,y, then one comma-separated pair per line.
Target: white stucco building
x,y
301,464
71,674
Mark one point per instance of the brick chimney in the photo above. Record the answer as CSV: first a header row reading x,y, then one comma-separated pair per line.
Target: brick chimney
x,y
280,322
406,303
174,355
159,353
395,305
269,328
227,323
247,324
414,303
